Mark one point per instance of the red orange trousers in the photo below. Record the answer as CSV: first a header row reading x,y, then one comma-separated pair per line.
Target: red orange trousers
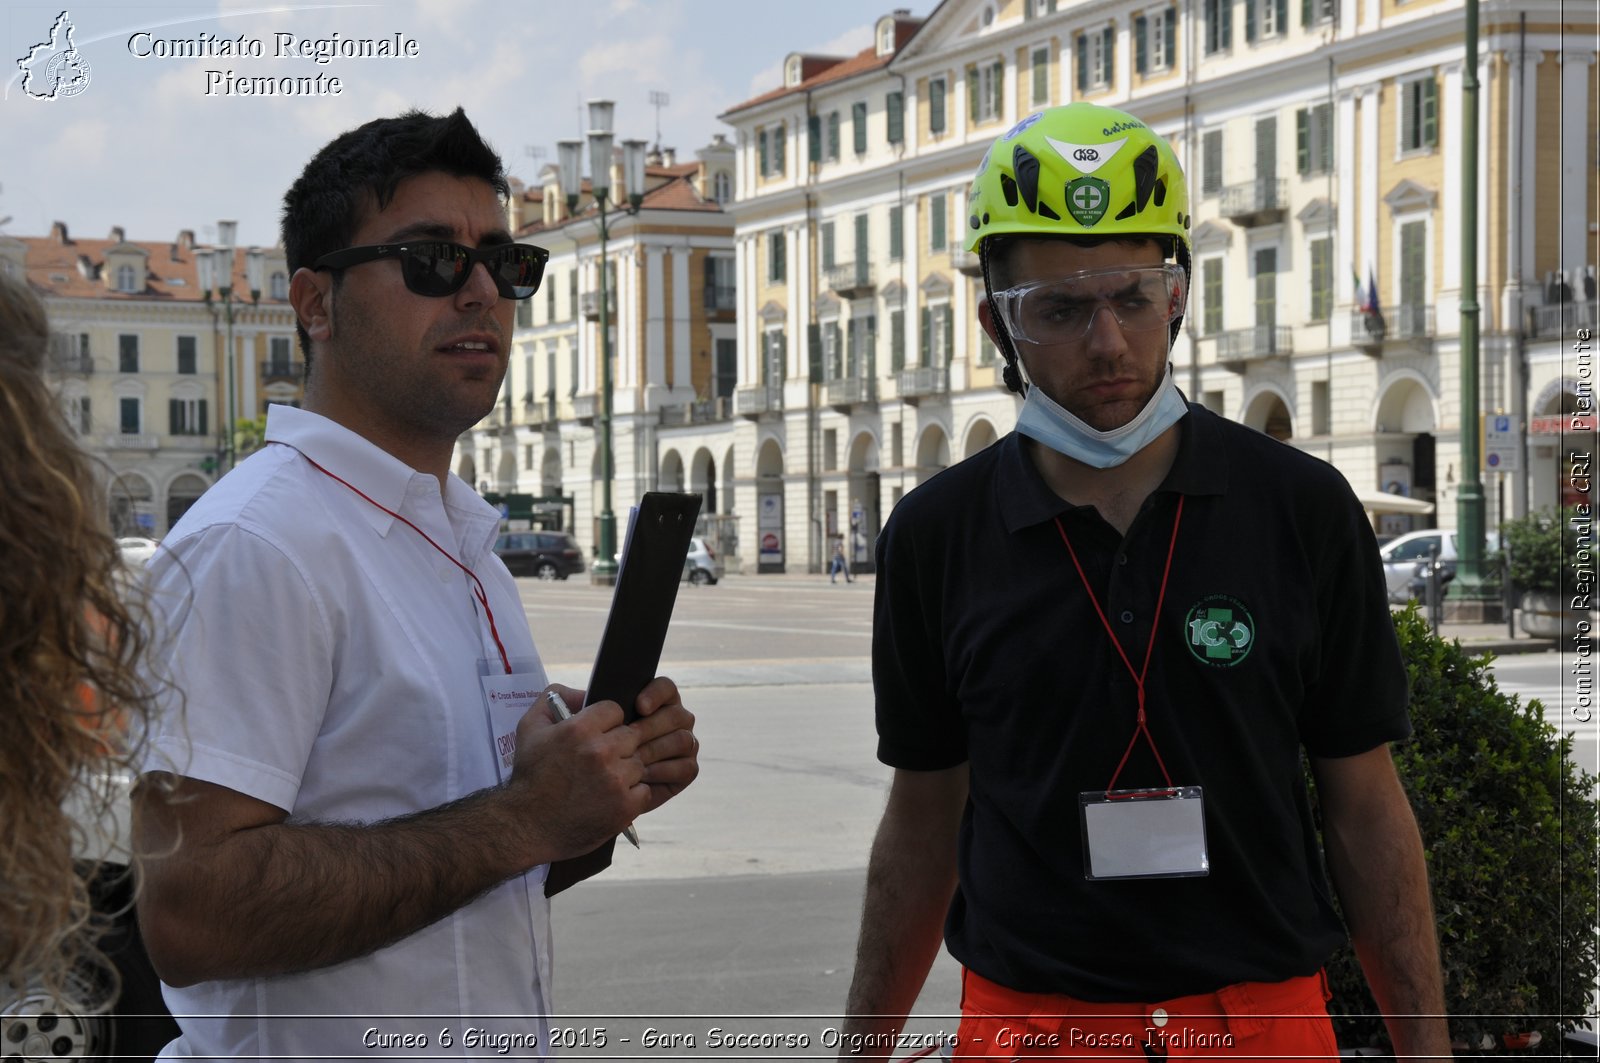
x,y
1259,1020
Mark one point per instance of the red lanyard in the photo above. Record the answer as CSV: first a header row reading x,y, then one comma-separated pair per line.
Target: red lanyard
x,y
1142,726
477,590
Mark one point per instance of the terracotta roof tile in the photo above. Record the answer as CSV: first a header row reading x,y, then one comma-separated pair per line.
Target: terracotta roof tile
x,y
823,70
171,272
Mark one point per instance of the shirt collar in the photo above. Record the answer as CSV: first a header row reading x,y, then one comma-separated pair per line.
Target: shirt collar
x,y
385,479
1200,468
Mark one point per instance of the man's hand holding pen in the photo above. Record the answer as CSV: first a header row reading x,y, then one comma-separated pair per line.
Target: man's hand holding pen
x,y
588,777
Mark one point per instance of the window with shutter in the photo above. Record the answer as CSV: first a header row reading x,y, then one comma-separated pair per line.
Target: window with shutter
x,y
936,222
127,354
897,340
129,410
972,94
926,344
1266,261
187,348
833,136
996,89
894,106
1211,296
947,326
826,237
896,233
936,106
858,127
779,140
863,253
1321,279
1041,77
1107,56
762,153
1141,48
1083,63
1211,162
814,137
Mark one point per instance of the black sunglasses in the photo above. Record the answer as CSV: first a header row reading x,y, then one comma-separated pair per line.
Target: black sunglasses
x,y
438,268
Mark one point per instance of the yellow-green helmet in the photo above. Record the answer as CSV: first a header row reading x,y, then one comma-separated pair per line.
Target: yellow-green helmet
x,y
1079,170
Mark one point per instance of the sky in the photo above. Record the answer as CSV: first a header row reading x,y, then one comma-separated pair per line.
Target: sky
x,y
149,138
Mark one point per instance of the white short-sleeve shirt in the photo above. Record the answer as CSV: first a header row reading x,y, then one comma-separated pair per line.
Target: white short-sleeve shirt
x,y
327,657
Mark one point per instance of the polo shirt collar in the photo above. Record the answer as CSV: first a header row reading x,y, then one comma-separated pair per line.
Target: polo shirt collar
x,y
1200,468
384,478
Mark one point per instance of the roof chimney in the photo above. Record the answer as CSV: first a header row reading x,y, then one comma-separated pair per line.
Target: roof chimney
x,y
85,267
58,233
184,242
118,234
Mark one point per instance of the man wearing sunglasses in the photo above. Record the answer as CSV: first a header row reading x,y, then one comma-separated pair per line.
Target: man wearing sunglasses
x,y
350,810
1100,648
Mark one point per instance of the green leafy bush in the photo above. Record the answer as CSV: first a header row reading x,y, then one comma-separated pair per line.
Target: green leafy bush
x,y
1509,826
1539,544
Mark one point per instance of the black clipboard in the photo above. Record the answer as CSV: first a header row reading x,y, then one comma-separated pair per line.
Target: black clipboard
x,y
651,569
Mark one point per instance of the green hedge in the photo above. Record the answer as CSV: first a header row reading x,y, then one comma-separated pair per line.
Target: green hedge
x,y
1509,826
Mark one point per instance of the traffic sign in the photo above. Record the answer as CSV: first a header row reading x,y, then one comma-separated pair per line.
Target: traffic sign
x,y
1500,444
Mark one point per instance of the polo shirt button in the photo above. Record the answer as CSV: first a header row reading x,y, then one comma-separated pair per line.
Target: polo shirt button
x,y
1122,559
1159,1017
1127,616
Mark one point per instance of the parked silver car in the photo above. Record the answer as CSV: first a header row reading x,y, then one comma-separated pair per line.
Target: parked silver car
x,y
702,565
1402,556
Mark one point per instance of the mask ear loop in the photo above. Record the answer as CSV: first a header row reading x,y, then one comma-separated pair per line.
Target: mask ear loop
x,y
1011,375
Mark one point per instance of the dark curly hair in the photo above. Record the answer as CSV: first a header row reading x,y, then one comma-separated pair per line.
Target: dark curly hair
x,y
361,169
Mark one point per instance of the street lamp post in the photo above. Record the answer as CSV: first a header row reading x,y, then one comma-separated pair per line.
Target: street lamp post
x,y
600,157
216,278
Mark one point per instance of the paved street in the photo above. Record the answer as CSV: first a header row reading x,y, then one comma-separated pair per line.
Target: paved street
x,y
745,896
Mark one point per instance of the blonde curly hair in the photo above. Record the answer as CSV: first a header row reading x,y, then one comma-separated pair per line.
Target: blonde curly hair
x,y
73,699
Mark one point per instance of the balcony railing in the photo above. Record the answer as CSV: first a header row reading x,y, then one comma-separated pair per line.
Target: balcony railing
x,y
722,297
845,392
923,382
1562,320
589,304
709,411
71,363
1254,344
755,401
132,441
583,407
851,280
966,262
1408,323
1255,202
280,369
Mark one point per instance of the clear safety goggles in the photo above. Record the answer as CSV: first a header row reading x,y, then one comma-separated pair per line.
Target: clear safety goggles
x,y
1062,311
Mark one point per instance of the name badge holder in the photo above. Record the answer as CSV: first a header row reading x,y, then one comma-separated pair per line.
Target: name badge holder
x,y
1142,833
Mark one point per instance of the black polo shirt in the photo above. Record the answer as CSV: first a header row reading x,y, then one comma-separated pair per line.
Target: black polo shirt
x,y
1275,636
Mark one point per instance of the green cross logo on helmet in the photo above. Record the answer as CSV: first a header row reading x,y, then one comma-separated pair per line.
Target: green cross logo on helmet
x,y
1079,170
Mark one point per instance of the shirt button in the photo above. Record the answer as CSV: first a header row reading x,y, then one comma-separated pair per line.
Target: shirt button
x,y
1159,1017
1127,616
1122,559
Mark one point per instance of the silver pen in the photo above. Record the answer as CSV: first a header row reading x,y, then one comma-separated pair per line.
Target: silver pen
x,y
566,714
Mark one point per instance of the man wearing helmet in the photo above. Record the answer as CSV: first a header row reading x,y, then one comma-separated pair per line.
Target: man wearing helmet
x,y
1096,696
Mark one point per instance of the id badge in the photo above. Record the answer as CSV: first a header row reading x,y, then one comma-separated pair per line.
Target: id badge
x,y
1144,833
507,697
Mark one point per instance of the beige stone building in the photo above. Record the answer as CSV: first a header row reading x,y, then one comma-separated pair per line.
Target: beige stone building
x,y
1323,142
140,358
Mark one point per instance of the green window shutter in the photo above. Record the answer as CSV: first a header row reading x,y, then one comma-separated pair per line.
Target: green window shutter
x,y
1170,28
1225,23
174,417
863,253
1430,113
972,94
1109,41
1041,75
858,127
897,339
1250,19
761,152
814,137
833,134
949,333
778,139
1307,12
1141,55
894,106
936,115
1302,141
201,429
926,347
998,88
827,245
897,235
1326,136
936,220
1083,63
1282,24
814,352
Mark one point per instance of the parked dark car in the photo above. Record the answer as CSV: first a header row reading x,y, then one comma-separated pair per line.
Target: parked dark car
x,y
544,554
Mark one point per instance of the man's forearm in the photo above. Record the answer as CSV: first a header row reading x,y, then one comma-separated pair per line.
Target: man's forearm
x,y
282,898
910,878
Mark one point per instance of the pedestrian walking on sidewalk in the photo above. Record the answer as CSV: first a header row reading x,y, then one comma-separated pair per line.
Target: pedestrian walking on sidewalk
x,y
839,564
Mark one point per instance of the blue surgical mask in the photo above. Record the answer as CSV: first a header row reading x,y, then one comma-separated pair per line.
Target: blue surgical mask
x,y
1044,420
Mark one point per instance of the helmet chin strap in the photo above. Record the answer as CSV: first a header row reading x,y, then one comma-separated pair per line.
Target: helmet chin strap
x,y
1011,375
